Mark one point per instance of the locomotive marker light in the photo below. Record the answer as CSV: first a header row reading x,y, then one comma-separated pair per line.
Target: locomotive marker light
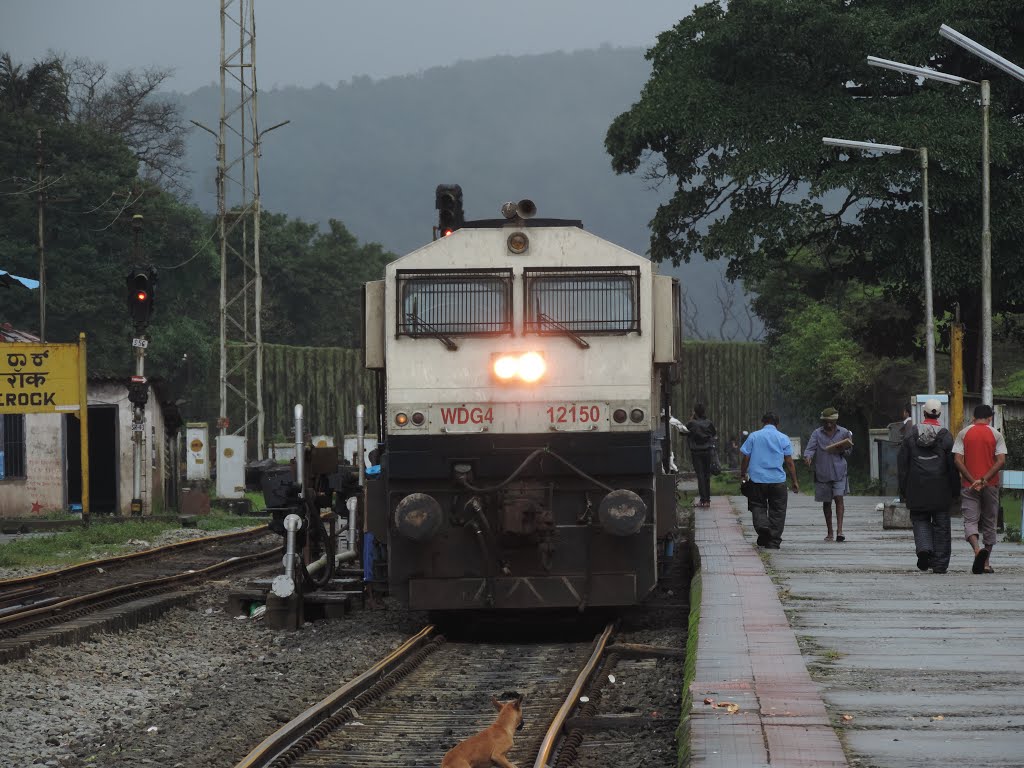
x,y
448,202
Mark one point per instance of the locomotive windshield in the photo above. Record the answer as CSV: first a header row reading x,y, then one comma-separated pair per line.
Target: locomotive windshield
x,y
455,302
591,300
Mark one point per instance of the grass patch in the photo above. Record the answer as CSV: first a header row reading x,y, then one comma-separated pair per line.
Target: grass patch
x,y
831,654
689,670
256,500
101,540
1012,524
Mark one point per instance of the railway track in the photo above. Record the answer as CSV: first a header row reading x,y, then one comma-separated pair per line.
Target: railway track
x,y
11,587
412,706
70,604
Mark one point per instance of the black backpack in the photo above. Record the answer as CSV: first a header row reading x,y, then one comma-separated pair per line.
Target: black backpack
x,y
929,485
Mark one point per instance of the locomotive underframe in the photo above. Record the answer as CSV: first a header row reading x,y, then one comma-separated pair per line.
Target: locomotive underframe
x,y
532,542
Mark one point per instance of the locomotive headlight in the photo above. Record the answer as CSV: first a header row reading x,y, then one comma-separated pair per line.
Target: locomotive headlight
x,y
518,242
506,366
525,366
532,367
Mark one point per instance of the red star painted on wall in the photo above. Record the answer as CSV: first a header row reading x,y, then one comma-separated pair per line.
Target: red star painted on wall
x,y
36,507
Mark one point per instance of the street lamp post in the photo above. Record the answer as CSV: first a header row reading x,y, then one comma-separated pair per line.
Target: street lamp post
x,y
986,232
929,322
1013,70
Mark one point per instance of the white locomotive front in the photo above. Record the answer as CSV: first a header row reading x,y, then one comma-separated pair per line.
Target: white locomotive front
x,y
525,374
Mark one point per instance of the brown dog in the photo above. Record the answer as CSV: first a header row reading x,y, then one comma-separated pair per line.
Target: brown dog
x,y
488,747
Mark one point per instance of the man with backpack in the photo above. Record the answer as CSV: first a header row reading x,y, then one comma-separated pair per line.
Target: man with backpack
x,y
929,482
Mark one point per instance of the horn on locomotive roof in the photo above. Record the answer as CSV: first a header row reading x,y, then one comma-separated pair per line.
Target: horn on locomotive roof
x,y
524,209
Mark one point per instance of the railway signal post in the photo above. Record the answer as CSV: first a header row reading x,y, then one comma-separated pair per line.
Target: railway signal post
x,y
139,283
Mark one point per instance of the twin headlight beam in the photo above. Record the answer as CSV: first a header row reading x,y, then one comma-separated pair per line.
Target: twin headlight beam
x,y
528,367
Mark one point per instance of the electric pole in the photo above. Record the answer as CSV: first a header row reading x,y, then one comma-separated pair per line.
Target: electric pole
x,y
41,205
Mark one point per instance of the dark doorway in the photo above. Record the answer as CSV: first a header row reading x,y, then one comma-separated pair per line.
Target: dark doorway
x,y
103,459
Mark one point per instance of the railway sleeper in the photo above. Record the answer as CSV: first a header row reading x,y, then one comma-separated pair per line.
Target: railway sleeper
x,y
117,618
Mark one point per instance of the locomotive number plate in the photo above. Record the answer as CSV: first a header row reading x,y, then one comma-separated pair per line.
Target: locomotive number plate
x,y
577,417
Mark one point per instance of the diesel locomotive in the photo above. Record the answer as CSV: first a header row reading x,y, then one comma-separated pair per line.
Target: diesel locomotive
x,y
525,371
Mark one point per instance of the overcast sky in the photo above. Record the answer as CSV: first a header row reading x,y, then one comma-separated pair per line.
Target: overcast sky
x,y
306,42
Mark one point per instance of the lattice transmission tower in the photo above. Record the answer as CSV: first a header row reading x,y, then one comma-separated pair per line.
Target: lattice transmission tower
x,y
238,221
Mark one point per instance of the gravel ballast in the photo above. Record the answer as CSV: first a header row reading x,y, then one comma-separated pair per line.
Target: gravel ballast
x,y
197,688
201,687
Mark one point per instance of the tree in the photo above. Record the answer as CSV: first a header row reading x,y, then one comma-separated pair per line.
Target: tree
x,y
733,116
41,89
127,104
317,280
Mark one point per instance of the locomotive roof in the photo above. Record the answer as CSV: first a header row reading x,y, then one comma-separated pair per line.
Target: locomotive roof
x,y
566,231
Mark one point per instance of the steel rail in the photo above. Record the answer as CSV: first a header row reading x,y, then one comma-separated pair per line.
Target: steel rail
x,y
159,584
555,729
282,739
59,573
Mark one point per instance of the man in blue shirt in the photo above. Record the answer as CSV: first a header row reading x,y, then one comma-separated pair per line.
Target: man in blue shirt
x,y
764,454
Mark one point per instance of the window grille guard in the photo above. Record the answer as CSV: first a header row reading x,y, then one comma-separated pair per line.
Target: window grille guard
x,y
576,300
439,303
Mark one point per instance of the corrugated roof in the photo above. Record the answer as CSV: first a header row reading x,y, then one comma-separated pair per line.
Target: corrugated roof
x,y
9,333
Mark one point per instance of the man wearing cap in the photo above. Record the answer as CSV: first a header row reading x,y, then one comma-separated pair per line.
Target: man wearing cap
x,y
928,483
980,452
764,454
827,451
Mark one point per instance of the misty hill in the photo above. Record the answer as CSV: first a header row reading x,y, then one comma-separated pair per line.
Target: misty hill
x,y
370,153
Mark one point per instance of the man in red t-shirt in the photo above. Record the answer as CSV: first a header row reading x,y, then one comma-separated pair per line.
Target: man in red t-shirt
x,y
980,452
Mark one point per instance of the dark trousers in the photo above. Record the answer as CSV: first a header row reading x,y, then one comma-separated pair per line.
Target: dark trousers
x,y
767,504
702,466
932,534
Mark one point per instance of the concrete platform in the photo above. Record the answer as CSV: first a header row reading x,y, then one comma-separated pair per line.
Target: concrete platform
x,y
910,668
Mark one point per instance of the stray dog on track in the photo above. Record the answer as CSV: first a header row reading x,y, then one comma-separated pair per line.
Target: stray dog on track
x,y
488,747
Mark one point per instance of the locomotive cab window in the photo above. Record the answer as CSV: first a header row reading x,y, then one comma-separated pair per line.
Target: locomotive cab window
x,y
439,303
589,300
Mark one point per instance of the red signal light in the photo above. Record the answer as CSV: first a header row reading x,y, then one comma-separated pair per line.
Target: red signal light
x,y
141,296
446,232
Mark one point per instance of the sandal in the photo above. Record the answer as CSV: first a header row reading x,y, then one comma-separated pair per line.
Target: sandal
x,y
840,537
980,561
829,537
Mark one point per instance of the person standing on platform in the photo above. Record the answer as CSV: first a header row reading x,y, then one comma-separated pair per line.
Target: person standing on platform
x,y
701,434
764,454
928,482
908,421
827,450
980,452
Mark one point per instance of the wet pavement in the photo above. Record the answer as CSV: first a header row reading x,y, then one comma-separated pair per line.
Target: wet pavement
x,y
913,668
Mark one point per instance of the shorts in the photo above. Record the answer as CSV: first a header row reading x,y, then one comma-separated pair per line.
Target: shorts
x,y
981,512
829,489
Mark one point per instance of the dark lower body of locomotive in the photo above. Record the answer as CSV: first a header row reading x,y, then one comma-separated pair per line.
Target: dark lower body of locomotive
x,y
521,522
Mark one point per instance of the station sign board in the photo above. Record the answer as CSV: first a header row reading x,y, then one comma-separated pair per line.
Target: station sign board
x,y
41,378
48,378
